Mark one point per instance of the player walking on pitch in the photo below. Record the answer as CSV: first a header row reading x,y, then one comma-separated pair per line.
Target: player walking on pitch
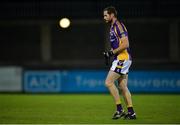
x,y
120,65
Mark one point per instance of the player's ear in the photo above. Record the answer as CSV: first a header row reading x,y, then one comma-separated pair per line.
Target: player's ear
x,y
112,15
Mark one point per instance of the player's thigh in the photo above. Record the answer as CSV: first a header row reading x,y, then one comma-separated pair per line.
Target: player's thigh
x,y
111,77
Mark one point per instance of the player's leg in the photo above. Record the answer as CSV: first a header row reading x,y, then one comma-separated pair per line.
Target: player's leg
x,y
127,96
111,77
124,90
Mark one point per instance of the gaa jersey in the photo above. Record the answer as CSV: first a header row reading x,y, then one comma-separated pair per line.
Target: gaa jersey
x,y
117,31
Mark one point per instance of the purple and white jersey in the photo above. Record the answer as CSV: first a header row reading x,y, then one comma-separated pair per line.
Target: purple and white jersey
x,y
117,31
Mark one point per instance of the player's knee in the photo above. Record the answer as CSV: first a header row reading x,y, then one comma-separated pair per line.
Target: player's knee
x,y
123,85
120,88
108,83
125,90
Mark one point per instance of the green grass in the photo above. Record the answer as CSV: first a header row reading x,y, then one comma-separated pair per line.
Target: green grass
x,y
86,109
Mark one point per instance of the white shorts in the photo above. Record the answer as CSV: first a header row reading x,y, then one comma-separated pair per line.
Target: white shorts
x,y
121,66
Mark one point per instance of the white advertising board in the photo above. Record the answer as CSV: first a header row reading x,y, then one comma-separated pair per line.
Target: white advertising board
x,y
10,79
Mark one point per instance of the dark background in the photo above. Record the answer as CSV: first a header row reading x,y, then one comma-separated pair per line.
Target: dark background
x,y
30,35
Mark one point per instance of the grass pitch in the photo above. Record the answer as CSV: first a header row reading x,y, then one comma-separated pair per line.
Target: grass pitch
x,y
85,109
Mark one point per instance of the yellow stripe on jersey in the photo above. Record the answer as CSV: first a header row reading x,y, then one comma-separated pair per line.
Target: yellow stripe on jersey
x,y
120,28
116,31
124,27
117,35
121,31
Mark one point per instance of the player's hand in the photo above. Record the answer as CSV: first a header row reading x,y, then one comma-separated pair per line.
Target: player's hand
x,y
108,54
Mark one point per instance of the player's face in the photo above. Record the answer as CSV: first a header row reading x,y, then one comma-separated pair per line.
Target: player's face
x,y
107,17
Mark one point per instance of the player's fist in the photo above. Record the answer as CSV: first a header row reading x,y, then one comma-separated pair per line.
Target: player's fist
x,y
108,54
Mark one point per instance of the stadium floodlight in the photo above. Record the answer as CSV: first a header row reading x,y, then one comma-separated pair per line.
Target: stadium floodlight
x,y
64,23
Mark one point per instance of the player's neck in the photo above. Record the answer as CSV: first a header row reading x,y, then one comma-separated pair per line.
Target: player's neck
x,y
113,21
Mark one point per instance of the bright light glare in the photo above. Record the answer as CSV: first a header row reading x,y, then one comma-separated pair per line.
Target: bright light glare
x,y
64,23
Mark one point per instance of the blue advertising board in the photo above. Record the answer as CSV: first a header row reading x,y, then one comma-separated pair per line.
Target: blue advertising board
x,y
76,81
83,81
42,81
154,81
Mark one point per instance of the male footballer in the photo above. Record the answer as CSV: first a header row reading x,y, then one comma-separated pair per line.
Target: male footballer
x,y
121,62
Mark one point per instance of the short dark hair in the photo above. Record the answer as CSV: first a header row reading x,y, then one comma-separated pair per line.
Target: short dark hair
x,y
111,10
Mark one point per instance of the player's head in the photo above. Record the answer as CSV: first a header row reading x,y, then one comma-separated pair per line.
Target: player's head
x,y
109,14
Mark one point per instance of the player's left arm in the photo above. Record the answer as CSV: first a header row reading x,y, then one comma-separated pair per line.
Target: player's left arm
x,y
121,32
124,45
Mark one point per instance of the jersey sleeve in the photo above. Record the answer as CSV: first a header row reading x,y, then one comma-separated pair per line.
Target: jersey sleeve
x,y
121,30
